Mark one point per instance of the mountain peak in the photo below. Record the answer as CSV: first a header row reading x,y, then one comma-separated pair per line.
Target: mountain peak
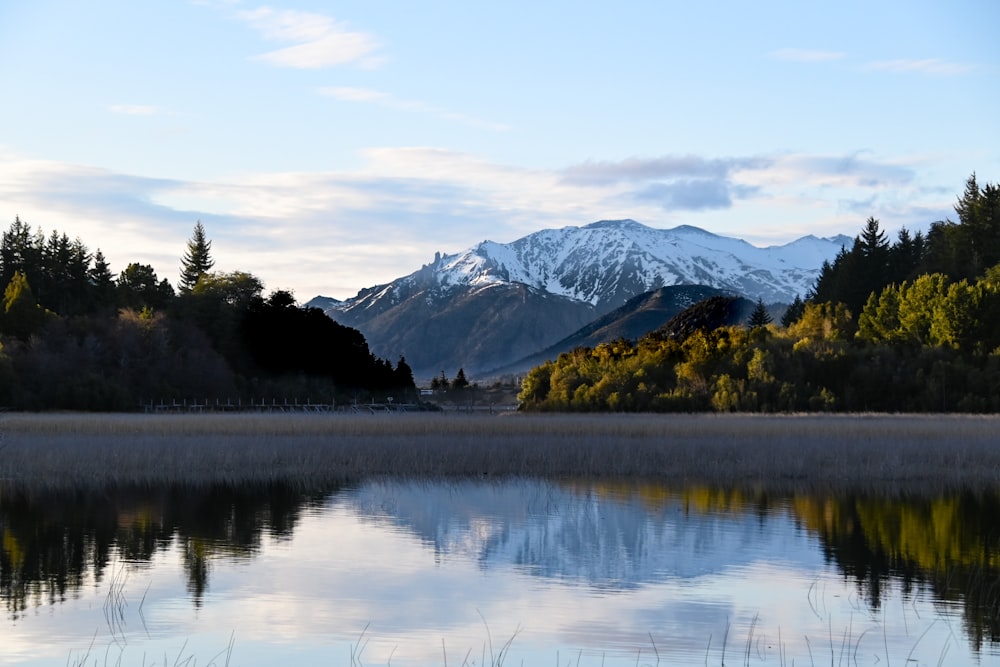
x,y
495,303
691,229
627,223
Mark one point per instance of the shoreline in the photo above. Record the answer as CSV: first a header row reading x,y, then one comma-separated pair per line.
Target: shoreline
x,y
883,453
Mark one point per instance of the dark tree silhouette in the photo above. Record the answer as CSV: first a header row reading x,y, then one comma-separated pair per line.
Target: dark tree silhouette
x,y
197,260
759,317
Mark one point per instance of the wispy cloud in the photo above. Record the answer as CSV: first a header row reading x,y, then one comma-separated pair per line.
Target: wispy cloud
x,y
806,55
924,66
688,195
675,183
826,171
133,109
366,95
278,224
644,169
317,40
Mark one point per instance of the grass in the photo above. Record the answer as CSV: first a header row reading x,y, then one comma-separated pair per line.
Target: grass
x,y
885,453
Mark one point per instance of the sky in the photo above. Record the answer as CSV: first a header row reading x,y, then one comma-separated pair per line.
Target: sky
x,y
330,146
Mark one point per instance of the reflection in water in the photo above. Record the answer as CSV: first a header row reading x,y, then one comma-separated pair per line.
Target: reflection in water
x,y
951,545
597,538
52,542
605,537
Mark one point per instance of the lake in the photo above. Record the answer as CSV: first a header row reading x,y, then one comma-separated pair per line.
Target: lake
x,y
515,572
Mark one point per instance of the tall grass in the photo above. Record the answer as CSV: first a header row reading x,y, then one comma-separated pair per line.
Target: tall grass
x,y
790,452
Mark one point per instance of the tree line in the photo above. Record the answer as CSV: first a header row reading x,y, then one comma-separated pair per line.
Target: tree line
x,y
912,325
75,336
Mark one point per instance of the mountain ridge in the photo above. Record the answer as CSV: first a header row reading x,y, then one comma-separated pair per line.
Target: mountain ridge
x,y
570,276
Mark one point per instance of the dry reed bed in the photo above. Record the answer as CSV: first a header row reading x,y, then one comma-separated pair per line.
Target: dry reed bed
x,y
885,453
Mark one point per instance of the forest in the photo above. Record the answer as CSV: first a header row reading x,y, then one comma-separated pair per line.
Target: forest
x,y
74,336
905,326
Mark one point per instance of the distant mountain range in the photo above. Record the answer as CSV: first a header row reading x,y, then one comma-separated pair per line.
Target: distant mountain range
x,y
495,305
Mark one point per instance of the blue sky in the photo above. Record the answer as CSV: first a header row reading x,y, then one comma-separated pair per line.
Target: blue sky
x,y
331,146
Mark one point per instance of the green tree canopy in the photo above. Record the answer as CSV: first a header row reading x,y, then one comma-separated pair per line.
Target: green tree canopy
x,y
140,288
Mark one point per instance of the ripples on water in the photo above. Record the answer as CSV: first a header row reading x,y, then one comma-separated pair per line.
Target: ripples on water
x,y
411,573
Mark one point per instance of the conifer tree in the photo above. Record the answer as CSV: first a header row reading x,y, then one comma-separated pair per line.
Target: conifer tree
x,y
102,282
460,382
197,261
759,317
794,312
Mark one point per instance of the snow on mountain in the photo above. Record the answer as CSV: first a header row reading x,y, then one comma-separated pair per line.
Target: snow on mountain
x,y
587,536
497,303
607,262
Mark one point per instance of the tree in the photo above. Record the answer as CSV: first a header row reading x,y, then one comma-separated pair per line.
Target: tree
x,y
102,282
22,316
873,239
460,382
759,317
197,261
793,312
906,256
238,289
140,287
439,383
403,377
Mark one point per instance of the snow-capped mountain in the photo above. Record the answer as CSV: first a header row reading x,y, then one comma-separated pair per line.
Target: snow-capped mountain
x,y
555,281
590,536
608,262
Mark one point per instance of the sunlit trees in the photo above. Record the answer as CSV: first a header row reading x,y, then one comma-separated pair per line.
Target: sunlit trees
x,y
22,316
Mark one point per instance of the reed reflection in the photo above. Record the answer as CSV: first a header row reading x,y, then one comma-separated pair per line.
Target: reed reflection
x,y
604,536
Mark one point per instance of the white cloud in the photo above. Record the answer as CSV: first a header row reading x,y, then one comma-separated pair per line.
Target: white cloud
x,y
925,66
365,95
317,40
806,55
336,232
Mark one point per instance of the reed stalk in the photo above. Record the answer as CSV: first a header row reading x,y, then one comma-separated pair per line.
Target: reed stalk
x,y
885,453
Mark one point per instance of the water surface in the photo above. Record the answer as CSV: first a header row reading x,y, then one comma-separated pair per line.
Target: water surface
x,y
513,572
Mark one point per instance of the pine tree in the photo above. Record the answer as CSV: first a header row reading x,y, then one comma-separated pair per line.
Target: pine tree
x,y
197,261
403,375
793,312
873,239
759,317
102,282
460,382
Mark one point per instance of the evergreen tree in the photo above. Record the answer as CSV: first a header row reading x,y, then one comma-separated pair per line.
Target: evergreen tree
x,y
20,252
439,383
197,261
460,382
906,256
873,240
102,283
794,312
403,376
759,317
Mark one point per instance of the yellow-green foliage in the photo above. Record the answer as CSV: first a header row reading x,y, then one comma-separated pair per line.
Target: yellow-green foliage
x,y
926,345
930,311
